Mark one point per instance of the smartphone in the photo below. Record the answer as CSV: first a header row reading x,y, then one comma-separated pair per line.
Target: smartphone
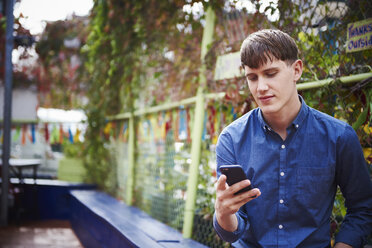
x,y
234,174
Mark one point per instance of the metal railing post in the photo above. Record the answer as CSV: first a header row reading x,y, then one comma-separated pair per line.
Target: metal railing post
x,y
7,112
131,155
192,181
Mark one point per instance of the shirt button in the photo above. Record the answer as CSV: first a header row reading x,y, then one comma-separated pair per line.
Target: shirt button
x,y
296,125
283,146
282,174
280,226
281,201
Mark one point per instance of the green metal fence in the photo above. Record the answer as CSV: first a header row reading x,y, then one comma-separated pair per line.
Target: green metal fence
x,y
160,173
162,164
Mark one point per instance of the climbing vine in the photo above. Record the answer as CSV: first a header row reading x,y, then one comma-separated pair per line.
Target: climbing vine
x,y
137,52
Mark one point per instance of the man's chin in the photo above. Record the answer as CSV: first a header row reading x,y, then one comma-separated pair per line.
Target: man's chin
x,y
268,110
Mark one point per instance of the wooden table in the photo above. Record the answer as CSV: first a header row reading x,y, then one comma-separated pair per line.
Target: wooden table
x,y
18,165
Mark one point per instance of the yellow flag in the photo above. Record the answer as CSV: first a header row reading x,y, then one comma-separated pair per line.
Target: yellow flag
x,y
77,135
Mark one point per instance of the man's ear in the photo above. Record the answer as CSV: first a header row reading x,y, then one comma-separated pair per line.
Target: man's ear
x,y
297,67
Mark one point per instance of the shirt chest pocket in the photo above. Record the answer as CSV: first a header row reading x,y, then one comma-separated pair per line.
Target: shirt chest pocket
x,y
313,185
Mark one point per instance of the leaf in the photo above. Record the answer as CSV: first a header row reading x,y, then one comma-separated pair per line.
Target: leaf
x,y
361,119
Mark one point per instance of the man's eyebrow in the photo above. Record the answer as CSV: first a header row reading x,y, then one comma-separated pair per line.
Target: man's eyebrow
x,y
271,69
250,74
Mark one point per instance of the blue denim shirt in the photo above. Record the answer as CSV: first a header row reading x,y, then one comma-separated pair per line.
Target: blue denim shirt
x,y
298,179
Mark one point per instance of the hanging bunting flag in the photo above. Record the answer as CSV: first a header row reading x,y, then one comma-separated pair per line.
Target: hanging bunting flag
x,y
112,131
54,136
155,128
116,130
29,135
17,134
162,123
205,125
139,132
33,133
169,120
211,120
176,118
70,136
107,129
77,135
182,129
150,131
24,130
61,134
46,132
188,122
174,124
144,131
233,113
124,132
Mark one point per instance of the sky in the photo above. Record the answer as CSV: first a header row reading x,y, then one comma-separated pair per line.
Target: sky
x,y
39,11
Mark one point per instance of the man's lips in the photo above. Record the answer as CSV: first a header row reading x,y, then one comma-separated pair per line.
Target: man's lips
x,y
265,98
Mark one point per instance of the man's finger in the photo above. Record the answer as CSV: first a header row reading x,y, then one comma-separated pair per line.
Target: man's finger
x,y
245,197
251,194
240,185
221,183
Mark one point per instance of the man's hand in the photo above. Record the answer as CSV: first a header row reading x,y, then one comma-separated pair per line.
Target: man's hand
x,y
227,204
342,245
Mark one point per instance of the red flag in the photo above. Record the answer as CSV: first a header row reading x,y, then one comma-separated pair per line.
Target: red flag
x,y
46,132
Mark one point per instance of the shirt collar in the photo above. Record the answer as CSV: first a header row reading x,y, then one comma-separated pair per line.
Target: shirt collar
x,y
297,121
262,121
302,114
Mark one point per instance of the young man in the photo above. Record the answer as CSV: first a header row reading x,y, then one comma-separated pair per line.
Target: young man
x,y
294,156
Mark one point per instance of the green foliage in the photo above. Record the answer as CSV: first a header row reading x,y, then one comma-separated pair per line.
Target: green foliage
x,y
23,73
134,53
72,150
143,53
324,56
58,68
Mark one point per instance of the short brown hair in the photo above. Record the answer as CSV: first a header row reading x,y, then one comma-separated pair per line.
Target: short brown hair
x,y
266,44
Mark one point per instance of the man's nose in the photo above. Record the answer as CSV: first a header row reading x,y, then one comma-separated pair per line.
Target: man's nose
x,y
262,85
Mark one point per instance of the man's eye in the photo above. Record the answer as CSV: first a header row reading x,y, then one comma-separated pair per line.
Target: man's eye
x,y
252,78
271,74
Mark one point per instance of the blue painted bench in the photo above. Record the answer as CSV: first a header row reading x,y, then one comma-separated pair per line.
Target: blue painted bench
x,y
100,220
43,199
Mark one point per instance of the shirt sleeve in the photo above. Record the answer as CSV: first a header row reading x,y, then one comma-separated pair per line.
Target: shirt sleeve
x,y
229,236
355,183
224,151
225,156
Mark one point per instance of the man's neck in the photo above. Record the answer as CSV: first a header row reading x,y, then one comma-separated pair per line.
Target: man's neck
x,y
281,120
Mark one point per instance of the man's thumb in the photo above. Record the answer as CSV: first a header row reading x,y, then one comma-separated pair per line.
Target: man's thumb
x,y
221,183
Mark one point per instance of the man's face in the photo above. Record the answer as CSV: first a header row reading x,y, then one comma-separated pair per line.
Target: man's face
x,y
273,85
